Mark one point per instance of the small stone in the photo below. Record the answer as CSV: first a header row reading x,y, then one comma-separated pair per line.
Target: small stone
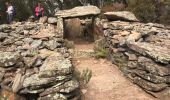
x,y
28,40
26,32
124,33
52,44
132,57
36,43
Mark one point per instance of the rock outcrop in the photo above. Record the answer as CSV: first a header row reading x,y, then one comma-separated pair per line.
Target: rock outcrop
x,y
34,61
142,53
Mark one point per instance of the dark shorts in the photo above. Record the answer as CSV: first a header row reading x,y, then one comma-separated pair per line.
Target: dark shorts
x,y
10,18
38,17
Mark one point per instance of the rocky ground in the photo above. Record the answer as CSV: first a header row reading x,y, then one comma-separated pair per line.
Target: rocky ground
x,y
34,61
140,50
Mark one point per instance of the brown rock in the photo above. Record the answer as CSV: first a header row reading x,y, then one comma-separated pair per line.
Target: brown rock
x,y
44,53
18,81
124,33
134,36
132,57
44,34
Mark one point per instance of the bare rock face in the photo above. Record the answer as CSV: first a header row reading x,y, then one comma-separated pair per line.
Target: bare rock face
x,y
78,12
121,15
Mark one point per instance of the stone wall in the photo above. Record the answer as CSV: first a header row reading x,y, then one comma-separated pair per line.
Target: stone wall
x,y
34,61
141,51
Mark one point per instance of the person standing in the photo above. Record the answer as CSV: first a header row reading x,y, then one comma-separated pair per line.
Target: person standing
x,y
39,11
9,11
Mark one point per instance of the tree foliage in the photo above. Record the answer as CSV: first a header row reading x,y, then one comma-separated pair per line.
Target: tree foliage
x,y
151,10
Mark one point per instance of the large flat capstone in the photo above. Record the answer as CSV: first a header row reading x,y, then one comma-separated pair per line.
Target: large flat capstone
x,y
78,12
121,15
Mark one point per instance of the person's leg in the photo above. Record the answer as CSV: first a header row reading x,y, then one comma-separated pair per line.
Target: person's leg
x,y
11,18
8,18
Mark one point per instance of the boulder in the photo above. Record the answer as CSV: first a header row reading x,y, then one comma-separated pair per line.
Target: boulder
x,y
3,36
8,59
36,43
34,81
56,63
43,19
78,12
52,20
121,15
52,44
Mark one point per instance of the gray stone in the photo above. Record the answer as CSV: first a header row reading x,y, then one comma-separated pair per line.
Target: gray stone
x,y
35,81
30,61
28,40
149,86
8,59
3,36
153,68
18,43
78,12
158,53
56,96
36,43
58,64
52,44
67,87
121,15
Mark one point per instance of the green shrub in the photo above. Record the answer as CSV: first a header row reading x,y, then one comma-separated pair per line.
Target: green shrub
x,y
101,53
84,76
143,9
150,10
